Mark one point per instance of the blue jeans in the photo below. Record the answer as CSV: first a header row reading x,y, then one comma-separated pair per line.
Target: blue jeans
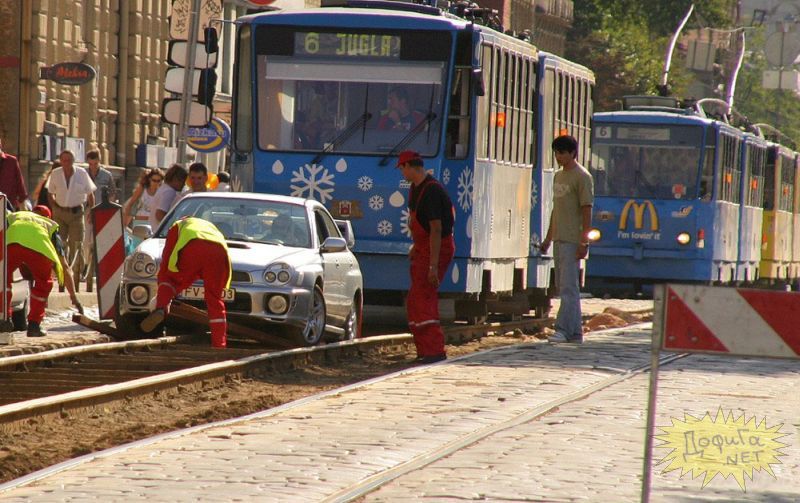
x,y
568,321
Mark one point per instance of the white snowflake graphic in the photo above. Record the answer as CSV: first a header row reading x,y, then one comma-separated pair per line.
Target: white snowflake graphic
x,y
534,193
465,189
405,228
312,180
365,183
376,202
445,176
535,241
384,227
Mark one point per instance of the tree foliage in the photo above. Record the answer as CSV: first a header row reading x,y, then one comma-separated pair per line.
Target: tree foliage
x,y
625,41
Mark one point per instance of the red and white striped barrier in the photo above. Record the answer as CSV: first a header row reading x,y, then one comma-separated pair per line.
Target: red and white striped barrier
x,y
109,245
735,321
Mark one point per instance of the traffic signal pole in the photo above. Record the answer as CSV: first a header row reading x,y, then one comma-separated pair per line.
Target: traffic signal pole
x,y
186,97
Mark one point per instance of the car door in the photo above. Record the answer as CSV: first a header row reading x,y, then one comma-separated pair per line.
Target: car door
x,y
335,297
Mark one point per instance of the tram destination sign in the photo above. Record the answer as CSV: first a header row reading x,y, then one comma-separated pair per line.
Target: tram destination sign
x,y
349,44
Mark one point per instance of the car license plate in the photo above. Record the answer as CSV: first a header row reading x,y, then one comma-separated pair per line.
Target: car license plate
x,y
198,292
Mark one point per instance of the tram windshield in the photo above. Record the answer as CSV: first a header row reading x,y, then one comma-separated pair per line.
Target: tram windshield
x,y
350,93
657,169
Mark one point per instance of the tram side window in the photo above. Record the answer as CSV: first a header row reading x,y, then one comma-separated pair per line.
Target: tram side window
x,y
458,130
787,183
707,178
769,181
482,141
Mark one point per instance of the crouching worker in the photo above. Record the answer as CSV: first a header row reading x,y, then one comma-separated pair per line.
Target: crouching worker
x,y
194,249
34,247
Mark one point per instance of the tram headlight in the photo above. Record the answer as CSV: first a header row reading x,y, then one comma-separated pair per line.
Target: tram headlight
x,y
594,235
684,238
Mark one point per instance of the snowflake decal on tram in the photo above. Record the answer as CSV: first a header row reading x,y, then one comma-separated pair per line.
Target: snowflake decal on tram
x,y
365,183
465,189
376,202
310,180
384,227
405,228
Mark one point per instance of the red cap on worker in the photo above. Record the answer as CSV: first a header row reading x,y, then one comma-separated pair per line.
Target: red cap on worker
x,y
42,210
407,156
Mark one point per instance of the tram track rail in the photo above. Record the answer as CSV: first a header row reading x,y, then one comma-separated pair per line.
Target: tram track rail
x,y
70,379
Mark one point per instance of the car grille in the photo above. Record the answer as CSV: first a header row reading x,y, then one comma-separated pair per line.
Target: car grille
x,y
240,277
241,303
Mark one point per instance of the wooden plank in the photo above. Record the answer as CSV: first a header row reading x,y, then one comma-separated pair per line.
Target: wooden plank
x,y
192,314
102,327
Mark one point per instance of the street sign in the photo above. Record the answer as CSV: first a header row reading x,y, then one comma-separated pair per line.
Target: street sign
x,y
179,54
173,83
199,115
70,74
782,48
181,18
209,139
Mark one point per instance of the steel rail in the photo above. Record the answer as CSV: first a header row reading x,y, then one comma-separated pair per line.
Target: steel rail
x,y
90,397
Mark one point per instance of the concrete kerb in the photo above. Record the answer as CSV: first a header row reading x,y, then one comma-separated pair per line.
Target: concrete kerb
x,y
59,301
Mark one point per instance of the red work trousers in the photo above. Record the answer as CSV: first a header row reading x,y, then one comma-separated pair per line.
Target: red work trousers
x,y
422,303
207,261
41,268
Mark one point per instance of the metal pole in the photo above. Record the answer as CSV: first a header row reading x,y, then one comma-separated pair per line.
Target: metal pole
x,y
671,48
655,354
188,80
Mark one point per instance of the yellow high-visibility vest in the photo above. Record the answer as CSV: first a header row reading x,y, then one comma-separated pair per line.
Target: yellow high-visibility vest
x,y
35,232
197,228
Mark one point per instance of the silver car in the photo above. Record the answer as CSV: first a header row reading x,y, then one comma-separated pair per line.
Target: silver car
x,y
293,271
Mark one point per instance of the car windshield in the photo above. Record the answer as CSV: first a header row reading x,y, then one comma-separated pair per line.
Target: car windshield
x,y
253,221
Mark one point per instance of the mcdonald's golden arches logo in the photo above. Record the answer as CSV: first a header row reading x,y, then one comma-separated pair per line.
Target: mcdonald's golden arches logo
x,y
638,215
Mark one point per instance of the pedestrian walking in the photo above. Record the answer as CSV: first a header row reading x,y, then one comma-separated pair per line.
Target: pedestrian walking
x,y
431,221
139,206
570,222
71,192
194,249
198,180
224,184
11,183
174,180
40,196
35,247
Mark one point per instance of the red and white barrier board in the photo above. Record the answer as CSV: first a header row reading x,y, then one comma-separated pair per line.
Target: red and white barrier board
x,y
735,321
109,248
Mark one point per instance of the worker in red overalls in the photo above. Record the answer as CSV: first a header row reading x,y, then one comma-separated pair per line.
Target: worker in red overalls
x,y
34,247
431,221
194,249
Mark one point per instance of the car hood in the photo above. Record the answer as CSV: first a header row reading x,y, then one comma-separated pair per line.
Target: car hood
x,y
244,256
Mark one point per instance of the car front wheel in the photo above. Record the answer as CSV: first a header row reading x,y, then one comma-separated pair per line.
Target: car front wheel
x,y
352,326
314,329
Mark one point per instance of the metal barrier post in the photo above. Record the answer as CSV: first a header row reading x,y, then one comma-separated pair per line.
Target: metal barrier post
x,y
655,355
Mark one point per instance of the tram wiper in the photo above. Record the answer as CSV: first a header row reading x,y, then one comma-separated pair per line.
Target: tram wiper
x,y
407,139
343,136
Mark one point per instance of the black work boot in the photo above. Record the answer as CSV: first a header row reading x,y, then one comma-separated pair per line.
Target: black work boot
x,y
35,329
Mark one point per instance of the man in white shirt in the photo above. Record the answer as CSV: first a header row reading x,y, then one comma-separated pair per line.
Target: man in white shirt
x,y
174,180
71,193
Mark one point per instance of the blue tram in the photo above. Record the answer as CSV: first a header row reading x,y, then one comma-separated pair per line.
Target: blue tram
x,y
678,197
326,98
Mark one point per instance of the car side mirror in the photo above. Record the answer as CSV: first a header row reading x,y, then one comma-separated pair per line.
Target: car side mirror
x,y
142,231
346,228
332,245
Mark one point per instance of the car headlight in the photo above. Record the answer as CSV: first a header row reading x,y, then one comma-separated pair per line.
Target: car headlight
x,y
142,265
139,295
277,304
279,273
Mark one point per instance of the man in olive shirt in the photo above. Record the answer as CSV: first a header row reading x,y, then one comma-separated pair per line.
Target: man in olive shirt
x,y
570,221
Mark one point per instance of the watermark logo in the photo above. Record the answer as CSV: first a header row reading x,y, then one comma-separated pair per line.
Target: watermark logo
x,y
732,447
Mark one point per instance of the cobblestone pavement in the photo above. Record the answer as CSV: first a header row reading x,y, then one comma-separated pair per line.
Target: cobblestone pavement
x,y
589,449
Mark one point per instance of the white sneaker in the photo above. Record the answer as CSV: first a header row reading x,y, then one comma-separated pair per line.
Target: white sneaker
x,y
559,338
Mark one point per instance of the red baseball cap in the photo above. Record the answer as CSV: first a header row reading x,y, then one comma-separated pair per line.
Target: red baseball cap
x,y
407,156
42,210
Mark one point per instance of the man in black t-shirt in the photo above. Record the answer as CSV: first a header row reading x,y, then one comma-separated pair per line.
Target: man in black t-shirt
x,y
431,222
